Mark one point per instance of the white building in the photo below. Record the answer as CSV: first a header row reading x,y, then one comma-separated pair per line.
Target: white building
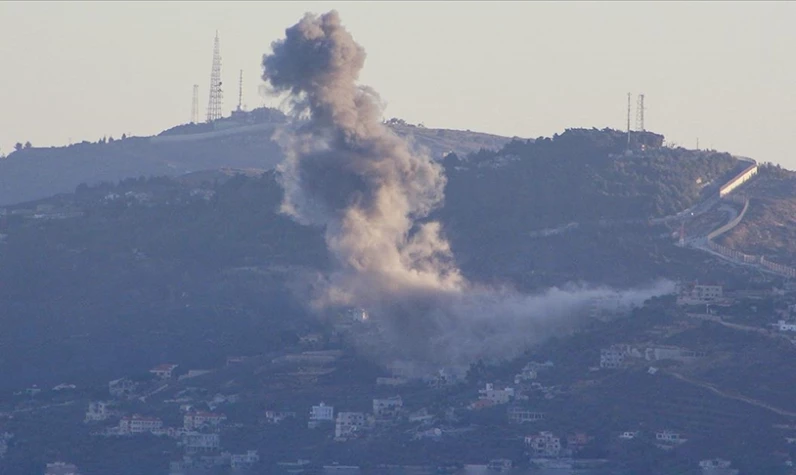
x,y
544,444
717,467
244,460
97,411
519,415
137,424
699,294
348,424
61,468
496,396
320,414
275,417
164,371
671,353
199,441
388,407
195,420
614,356
668,437
628,435
784,326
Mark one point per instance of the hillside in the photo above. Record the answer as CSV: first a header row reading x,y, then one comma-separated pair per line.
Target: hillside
x,y
242,141
769,226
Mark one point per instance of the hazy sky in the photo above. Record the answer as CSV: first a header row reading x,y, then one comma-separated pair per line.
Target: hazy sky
x,y
720,72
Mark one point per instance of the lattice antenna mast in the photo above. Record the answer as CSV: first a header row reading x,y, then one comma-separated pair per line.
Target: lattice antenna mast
x,y
640,113
195,105
216,94
240,91
629,100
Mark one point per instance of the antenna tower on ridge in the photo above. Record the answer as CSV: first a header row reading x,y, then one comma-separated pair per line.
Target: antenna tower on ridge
x,y
629,95
216,94
195,105
240,91
640,113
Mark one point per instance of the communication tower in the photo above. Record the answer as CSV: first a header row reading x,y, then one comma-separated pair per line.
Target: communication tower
x,y
216,94
629,95
240,91
195,105
640,113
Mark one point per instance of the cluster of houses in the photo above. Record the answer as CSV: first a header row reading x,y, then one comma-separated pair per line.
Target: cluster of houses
x,y
619,355
347,425
60,468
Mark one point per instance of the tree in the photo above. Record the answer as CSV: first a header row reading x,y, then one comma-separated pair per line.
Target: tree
x,y
124,136
18,146
27,144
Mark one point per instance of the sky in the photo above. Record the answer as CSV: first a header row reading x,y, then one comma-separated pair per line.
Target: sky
x,y
720,73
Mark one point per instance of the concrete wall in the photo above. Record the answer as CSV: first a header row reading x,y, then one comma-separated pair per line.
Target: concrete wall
x,y
739,179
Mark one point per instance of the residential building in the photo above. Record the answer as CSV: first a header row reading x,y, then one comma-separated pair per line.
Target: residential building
x,y
520,415
348,424
543,444
64,387
122,387
717,467
667,438
164,371
672,353
137,424
628,435
195,420
275,417
578,441
391,381
388,407
528,373
320,414
496,396
784,326
614,356
244,460
695,294
200,441
499,466
97,411
61,468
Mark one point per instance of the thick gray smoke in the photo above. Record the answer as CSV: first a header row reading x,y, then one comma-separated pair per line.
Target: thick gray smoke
x,y
348,172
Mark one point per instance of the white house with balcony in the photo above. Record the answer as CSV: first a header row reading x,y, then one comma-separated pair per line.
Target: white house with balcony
x,y
348,424
387,407
137,424
195,420
496,396
97,411
200,441
544,444
320,414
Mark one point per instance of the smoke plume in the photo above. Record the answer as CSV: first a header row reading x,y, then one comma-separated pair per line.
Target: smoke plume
x,y
347,172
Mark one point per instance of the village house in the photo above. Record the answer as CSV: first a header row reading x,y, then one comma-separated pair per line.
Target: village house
x,y
499,466
164,371
717,467
666,439
200,441
531,371
196,420
784,326
672,353
137,424
348,424
61,468
244,460
496,396
387,408
519,415
192,373
97,411
695,294
122,387
311,339
275,417
578,440
629,435
320,414
64,387
614,356
543,444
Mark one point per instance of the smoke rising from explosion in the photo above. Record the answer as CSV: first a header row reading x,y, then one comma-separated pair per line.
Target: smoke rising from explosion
x,y
348,172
